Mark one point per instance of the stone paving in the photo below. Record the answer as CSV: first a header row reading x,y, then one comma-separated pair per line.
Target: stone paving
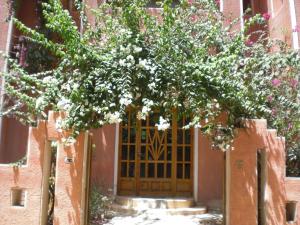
x,y
150,218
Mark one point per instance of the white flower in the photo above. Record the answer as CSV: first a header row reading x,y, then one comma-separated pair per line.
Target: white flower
x,y
68,87
122,49
148,102
122,62
151,85
58,125
126,99
163,124
47,79
130,58
39,102
71,140
188,126
146,108
143,63
153,69
64,104
198,125
144,113
50,80
137,49
113,117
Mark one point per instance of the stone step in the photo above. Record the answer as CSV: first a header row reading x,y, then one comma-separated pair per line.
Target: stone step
x,y
154,203
123,210
147,218
181,211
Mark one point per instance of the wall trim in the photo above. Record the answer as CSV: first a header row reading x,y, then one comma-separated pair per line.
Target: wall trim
x,y
5,68
242,13
84,181
196,162
116,160
227,190
272,8
221,5
45,183
294,24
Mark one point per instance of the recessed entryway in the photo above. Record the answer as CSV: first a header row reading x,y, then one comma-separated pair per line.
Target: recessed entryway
x,y
153,162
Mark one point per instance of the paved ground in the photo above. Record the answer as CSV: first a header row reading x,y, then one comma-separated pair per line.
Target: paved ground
x,y
148,218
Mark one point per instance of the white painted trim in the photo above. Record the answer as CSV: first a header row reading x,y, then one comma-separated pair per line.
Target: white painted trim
x,y
227,191
45,183
5,68
294,24
272,8
196,150
221,5
84,181
242,13
116,160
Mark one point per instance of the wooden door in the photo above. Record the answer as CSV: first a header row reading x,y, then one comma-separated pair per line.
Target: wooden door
x,y
153,162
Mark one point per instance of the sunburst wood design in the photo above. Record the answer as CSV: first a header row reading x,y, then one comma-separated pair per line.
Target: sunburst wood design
x,y
157,143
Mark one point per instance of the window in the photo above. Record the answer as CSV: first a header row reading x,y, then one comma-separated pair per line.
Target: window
x,y
18,197
290,211
246,5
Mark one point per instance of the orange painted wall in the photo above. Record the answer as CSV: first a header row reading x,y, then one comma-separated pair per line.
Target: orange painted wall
x,y
69,180
69,176
210,174
102,173
28,177
243,175
232,11
280,25
292,185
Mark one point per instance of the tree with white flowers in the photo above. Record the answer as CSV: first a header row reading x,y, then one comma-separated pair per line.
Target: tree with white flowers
x,y
183,57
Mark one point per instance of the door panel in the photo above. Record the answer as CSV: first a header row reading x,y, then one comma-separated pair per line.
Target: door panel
x,y
153,162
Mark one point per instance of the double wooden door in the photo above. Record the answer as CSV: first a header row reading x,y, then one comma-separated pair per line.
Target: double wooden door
x,y
153,162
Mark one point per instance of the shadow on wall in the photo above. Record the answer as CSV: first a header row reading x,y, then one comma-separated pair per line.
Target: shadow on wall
x,y
14,140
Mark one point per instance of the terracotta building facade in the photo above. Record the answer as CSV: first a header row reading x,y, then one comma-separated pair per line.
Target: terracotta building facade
x,y
248,185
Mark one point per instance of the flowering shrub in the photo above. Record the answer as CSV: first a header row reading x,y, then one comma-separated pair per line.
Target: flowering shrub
x,y
183,57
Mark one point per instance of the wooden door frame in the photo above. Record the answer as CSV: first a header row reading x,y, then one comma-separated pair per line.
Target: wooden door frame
x,y
194,160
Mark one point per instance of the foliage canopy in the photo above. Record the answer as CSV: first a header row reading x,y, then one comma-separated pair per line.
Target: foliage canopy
x,y
183,57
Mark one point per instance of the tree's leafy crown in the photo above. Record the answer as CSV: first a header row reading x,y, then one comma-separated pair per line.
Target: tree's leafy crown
x,y
181,57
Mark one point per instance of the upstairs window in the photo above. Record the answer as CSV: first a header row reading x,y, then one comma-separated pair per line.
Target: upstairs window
x,y
247,5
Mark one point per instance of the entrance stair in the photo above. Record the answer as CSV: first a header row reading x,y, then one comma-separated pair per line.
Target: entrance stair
x,y
164,206
161,211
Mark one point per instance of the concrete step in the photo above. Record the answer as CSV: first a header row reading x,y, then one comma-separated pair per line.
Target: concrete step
x,y
154,203
146,218
181,211
125,211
